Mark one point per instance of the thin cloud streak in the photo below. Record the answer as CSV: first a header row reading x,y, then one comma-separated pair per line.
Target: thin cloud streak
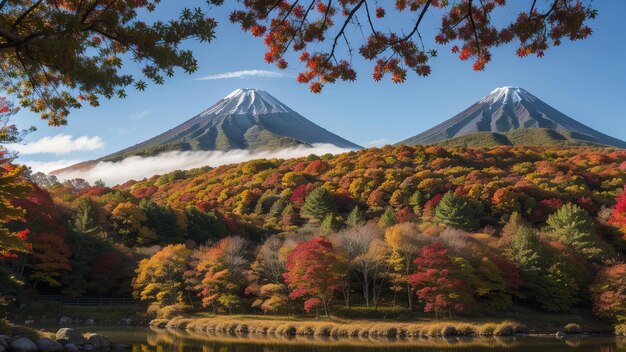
x,y
49,166
137,168
242,74
59,144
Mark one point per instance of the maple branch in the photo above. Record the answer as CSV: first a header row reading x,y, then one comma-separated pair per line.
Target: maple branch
x,y
299,30
267,13
532,8
417,24
342,30
327,12
369,18
471,17
286,16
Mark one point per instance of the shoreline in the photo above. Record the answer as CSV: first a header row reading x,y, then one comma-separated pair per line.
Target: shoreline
x,y
469,342
367,328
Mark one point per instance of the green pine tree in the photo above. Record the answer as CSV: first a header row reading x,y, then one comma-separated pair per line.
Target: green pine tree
x,y
329,224
318,204
356,217
550,278
388,218
526,248
572,226
85,217
457,212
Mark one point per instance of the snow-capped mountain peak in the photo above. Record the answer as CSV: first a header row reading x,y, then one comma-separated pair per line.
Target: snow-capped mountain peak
x,y
247,118
507,94
246,101
507,109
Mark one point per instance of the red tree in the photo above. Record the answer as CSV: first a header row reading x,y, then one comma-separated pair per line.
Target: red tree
x,y
609,293
50,251
618,217
434,279
299,194
314,271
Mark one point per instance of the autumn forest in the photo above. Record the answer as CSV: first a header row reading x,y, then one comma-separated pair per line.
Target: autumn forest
x,y
433,231
244,217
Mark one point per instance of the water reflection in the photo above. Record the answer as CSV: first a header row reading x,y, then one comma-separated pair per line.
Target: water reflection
x,y
159,340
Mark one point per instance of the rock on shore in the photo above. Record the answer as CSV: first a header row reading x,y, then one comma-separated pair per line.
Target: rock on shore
x,y
67,340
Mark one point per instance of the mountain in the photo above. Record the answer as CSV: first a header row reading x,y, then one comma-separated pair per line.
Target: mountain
x,y
245,119
521,136
491,120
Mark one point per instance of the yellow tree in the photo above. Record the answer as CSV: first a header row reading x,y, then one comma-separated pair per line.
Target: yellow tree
x,y
218,272
160,278
404,240
128,223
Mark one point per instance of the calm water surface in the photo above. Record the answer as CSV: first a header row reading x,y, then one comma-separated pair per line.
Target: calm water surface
x,y
156,340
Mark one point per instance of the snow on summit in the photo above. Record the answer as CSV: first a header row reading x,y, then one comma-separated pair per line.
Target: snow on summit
x,y
506,109
249,119
503,94
246,101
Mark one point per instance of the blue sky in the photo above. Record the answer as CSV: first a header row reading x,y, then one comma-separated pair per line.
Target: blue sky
x,y
585,80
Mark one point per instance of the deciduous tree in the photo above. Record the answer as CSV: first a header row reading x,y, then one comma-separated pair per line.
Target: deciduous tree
x,y
365,254
266,276
12,187
618,216
314,271
58,55
405,243
160,277
322,32
437,286
609,293
218,272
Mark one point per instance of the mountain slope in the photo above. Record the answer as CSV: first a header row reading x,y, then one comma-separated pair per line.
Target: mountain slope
x,y
520,136
245,119
507,109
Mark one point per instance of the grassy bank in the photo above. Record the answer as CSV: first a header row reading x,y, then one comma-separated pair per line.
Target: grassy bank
x,y
278,326
234,341
11,329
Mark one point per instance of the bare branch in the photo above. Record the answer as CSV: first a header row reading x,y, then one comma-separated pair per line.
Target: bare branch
x,y
417,24
342,30
369,18
471,17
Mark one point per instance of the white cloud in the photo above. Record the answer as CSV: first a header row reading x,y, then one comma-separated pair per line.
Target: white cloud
x,y
49,166
59,144
377,142
137,168
242,74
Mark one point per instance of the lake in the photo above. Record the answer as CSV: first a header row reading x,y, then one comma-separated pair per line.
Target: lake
x,y
157,340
